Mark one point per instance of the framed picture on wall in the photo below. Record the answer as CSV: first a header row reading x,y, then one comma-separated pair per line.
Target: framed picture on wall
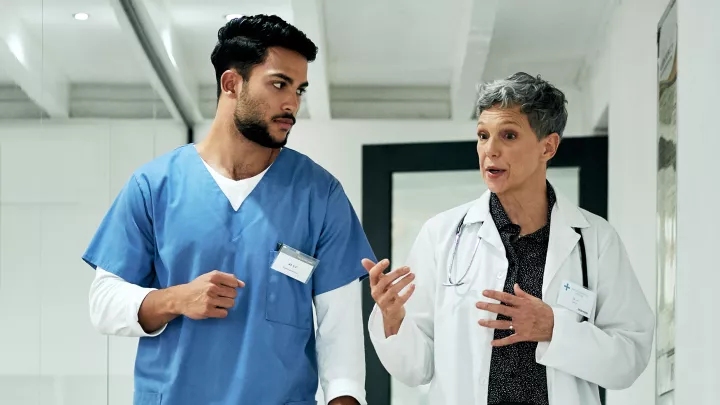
x,y
666,204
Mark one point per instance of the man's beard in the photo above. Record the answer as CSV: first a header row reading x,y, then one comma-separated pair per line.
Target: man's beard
x,y
251,124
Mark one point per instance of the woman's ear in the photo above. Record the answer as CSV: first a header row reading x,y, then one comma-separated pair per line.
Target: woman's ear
x,y
550,146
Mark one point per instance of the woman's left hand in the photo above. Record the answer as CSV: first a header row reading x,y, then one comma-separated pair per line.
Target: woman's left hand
x,y
532,320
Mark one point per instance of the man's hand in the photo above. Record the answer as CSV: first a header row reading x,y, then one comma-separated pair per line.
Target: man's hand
x,y
209,296
532,320
385,290
344,401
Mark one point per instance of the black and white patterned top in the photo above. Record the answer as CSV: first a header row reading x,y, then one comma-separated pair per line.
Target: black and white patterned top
x,y
515,376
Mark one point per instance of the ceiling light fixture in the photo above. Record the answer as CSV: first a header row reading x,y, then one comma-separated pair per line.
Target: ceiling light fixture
x,y
233,16
81,16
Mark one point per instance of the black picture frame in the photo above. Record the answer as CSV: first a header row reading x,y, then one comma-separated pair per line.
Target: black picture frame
x,y
379,162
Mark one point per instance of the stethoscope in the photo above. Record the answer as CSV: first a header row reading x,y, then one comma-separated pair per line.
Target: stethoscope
x,y
458,233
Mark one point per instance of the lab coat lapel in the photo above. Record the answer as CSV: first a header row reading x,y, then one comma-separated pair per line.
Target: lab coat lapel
x,y
564,218
488,232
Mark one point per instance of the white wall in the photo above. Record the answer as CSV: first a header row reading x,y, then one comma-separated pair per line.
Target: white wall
x,y
594,79
56,182
579,121
698,358
623,75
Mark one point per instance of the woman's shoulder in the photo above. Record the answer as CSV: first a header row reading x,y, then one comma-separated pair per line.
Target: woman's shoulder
x,y
606,233
450,218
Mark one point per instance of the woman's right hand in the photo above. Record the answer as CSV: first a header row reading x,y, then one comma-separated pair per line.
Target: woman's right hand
x,y
385,290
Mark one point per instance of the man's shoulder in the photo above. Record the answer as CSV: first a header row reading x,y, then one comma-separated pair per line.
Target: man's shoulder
x,y
311,172
163,164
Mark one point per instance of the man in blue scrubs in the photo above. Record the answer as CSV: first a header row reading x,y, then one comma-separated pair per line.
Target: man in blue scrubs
x,y
214,253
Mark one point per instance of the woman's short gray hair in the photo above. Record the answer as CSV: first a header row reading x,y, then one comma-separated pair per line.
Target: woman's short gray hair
x,y
542,102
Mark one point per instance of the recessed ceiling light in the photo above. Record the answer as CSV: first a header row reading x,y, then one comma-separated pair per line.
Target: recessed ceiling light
x,y
233,16
81,16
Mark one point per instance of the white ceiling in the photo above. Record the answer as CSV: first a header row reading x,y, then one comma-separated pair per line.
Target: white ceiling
x,y
379,42
406,45
100,56
553,39
552,27
92,51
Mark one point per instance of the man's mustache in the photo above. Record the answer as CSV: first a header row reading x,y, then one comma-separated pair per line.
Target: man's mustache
x,y
285,116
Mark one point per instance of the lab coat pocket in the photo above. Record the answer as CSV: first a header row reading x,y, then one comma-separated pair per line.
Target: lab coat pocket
x,y
287,301
146,398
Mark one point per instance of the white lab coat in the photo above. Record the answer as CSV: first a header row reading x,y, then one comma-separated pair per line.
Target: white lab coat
x,y
441,343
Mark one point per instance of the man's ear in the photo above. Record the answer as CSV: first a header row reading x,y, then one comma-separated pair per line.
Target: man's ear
x,y
230,83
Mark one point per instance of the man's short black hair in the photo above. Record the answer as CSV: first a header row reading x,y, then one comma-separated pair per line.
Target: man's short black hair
x,y
243,43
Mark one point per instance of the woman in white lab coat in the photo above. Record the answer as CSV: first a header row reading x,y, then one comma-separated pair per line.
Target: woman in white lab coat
x,y
519,297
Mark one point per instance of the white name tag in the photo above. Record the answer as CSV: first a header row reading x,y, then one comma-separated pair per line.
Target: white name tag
x,y
576,298
294,263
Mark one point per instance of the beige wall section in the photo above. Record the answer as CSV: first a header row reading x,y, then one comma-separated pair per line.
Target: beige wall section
x,y
56,182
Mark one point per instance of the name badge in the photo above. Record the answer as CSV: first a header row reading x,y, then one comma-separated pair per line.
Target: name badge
x,y
294,263
576,298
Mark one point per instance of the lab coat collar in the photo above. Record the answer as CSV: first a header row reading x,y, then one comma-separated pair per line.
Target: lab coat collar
x,y
568,213
565,211
565,216
479,212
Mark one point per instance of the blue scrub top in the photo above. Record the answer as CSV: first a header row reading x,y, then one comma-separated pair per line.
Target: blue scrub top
x,y
172,223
